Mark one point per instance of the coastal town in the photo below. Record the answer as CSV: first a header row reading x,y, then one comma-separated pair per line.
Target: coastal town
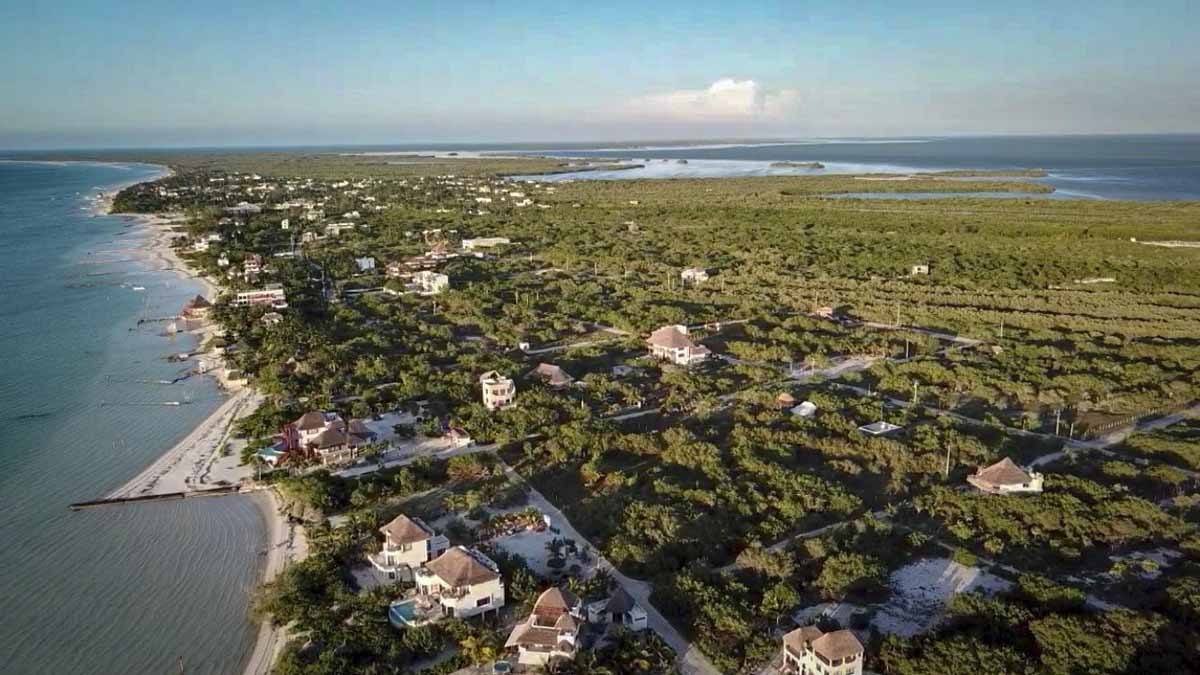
x,y
509,424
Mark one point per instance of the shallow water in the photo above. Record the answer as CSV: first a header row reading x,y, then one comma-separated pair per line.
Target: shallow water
x,y
120,589
1163,167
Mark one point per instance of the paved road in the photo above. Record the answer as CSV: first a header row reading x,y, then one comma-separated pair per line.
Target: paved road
x,y
691,660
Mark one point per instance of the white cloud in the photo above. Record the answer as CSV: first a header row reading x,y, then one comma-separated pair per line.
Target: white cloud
x,y
726,100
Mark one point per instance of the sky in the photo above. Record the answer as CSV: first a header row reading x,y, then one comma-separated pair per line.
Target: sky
x,y
115,73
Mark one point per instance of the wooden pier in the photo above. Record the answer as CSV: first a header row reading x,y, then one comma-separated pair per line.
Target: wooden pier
x,y
161,497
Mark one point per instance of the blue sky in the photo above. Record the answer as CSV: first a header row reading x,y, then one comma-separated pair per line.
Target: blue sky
x,y
75,74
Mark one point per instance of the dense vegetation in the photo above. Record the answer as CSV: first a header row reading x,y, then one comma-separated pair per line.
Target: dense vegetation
x,y
685,477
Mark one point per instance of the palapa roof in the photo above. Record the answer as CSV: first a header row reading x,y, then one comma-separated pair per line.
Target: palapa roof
x,y
554,603
553,375
670,337
838,644
405,530
198,302
523,634
1004,472
457,567
311,420
620,602
331,437
360,429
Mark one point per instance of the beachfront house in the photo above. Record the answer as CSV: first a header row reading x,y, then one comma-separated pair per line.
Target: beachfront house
x,y
671,343
427,282
192,316
461,583
1005,477
552,375
694,275
272,295
498,390
550,632
810,651
620,609
919,270
408,543
327,437
365,264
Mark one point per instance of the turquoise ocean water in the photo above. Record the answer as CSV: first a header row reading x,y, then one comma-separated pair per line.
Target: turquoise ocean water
x,y
121,589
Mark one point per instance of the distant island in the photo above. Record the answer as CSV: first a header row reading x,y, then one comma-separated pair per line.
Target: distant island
x,y
797,165
989,173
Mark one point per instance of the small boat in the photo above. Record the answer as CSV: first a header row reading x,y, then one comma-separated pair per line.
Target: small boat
x,y
139,288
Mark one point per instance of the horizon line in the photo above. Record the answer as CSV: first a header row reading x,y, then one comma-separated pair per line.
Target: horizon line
x,y
731,140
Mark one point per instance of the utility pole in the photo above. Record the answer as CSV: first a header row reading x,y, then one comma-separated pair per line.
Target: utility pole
x,y
905,349
1001,329
946,472
1057,420
914,398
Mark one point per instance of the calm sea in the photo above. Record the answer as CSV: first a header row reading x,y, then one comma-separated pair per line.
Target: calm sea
x,y
120,589
1162,167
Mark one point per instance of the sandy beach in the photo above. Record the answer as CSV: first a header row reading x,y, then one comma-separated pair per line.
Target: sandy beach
x,y
209,456
285,544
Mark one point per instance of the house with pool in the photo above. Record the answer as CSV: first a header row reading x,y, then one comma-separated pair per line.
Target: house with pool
x,y
460,583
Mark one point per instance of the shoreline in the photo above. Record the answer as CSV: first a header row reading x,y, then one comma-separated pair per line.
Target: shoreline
x,y
199,459
286,543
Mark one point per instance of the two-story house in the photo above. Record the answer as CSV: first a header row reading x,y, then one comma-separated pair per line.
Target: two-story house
x,y
408,543
551,631
811,651
671,343
498,391
462,581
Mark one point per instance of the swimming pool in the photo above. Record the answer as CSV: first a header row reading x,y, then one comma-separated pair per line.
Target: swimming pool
x,y
403,613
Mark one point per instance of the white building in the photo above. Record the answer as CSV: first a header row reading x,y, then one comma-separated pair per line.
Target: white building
x,y
366,264
408,543
811,651
550,632
463,582
919,270
498,390
272,295
671,343
1005,477
484,242
805,409
694,275
619,610
335,229
427,282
